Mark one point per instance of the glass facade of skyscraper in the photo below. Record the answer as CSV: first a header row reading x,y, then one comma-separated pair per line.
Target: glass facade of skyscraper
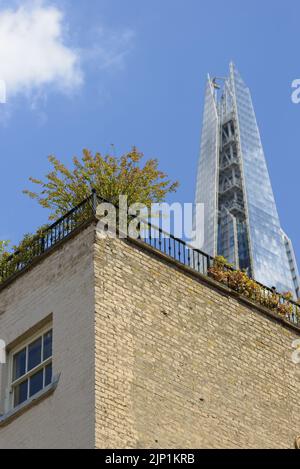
x,y
233,183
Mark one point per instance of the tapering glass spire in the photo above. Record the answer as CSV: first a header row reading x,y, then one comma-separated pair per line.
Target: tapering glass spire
x,y
241,219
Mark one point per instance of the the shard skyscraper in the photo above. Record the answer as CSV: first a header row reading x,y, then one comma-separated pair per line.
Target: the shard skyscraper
x,y
241,220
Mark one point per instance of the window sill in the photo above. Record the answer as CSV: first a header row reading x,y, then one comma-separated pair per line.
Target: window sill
x,y
33,401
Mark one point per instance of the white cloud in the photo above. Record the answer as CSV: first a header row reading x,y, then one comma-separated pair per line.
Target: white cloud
x,y
32,50
35,53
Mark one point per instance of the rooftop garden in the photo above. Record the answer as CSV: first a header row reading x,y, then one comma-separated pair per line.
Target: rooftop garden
x,y
237,280
72,195
66,194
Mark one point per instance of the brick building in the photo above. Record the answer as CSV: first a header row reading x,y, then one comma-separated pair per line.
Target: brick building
x,y
112,343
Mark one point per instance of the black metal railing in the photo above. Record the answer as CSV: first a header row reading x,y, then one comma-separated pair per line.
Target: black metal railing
x,y
43,242
203,263
155,237
175,248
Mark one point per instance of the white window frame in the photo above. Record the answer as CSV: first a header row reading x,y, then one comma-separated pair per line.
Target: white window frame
x,y
25,344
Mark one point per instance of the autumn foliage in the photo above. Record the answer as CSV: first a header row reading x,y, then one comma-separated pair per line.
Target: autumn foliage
x,y
111,176
239,281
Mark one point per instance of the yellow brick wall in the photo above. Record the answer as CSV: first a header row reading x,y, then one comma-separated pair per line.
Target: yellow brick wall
x,y
180,364
153,356
61,284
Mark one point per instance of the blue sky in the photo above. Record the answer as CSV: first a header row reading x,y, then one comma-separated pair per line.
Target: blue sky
x,y
133,72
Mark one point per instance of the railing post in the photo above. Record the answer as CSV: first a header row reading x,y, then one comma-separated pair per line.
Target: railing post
x,y
94,201
208,263
43,244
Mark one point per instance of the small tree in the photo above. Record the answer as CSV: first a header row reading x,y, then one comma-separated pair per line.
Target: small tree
x,y
4,254
3,248
64,188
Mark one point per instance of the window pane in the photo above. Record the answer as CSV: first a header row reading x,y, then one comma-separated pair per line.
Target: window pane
x,y
19,364
34,354
20,395
48,374
36,383
47,345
